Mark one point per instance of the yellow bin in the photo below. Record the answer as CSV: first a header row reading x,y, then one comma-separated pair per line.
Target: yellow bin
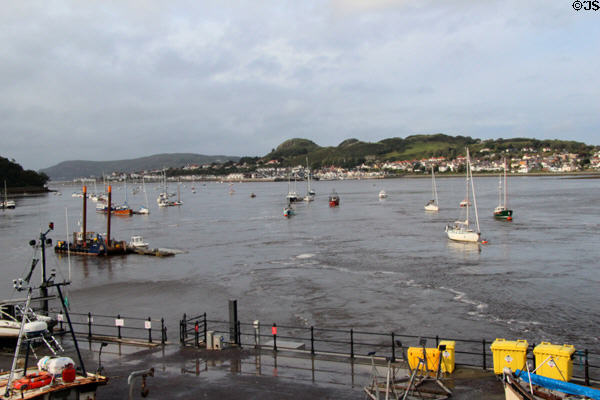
x,y
509,353
558,360
433,358
448,356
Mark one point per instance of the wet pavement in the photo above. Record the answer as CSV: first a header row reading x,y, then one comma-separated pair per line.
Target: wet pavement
x,y
190,373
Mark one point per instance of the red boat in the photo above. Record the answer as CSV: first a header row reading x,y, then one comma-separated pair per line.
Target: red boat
x,y
334,199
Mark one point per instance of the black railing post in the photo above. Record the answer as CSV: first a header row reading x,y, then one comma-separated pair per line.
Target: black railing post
x,y
351,343
239,333
205,326
393,348
119,327
150,330
184,323
274,333
312,340
163,335
89,325
483,353
181,329
197,334
437,340
586,368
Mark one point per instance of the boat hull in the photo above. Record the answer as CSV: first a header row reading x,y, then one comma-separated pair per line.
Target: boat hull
x,y
503,214
463,236
432,207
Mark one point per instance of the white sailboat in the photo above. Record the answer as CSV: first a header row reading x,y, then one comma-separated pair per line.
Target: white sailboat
x,y
292,195
462,231
502,211
144,209
310,194
433,204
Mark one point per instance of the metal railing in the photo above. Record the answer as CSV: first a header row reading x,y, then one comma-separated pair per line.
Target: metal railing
x,y
353,344
118,327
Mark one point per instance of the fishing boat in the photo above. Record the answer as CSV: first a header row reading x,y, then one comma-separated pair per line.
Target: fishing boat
x,y
461,230
382,194
334,199
433,204
56,376
123,209
502,211
138,242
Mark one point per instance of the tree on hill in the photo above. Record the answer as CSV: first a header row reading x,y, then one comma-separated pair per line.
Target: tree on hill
x,y
15,176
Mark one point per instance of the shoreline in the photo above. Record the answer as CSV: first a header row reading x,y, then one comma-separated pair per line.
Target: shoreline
x,y
570,175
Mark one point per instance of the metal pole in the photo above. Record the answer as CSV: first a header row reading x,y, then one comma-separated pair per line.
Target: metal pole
x,y
205,327
119,327
483,353
108,219
150,331
197,334
274,332
312,340
393,348
62,302
162,330
43,287
351,343
587,368
84,226
89,325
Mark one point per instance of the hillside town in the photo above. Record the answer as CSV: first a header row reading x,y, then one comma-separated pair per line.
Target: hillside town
x,y
528,162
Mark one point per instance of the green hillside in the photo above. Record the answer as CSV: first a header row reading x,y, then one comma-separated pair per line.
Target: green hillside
x,y
352,152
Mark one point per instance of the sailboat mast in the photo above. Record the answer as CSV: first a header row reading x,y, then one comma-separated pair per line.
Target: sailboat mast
x,y
467,194
505,188
435,196
474,198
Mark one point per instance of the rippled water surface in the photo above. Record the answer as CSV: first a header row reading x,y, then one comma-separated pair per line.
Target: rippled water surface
x,y
385,265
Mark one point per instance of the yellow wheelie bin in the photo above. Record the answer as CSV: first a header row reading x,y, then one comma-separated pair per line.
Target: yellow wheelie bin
x,y
509,353
557,360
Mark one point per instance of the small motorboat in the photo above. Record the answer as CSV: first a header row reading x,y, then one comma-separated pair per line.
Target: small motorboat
x,y
334,199
138,242
382,194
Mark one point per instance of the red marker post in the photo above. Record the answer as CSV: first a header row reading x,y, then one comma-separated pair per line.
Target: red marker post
x,y
274,332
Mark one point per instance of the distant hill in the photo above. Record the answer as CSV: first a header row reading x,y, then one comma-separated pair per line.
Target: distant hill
x,y
352,152
68,170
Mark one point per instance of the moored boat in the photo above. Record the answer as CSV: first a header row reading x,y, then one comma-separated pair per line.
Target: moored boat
x,y
334,199
461,230
382,194
433,204
502,211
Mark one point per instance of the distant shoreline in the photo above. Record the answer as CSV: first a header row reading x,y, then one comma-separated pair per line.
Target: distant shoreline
x,y
569,175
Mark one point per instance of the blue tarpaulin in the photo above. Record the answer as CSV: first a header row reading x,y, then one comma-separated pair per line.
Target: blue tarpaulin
x,y
554,384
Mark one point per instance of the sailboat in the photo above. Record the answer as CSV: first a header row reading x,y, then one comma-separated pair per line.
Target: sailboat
x,y
462,231
144,209
433,204
310,194
7,203
292,196
502,212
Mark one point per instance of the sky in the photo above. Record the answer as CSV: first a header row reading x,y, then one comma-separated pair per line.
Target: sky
x,y
121,79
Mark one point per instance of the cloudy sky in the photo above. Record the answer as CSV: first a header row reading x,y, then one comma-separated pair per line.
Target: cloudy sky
x,y
107,80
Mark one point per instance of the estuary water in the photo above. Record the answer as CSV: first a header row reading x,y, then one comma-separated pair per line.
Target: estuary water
x,y
382,265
